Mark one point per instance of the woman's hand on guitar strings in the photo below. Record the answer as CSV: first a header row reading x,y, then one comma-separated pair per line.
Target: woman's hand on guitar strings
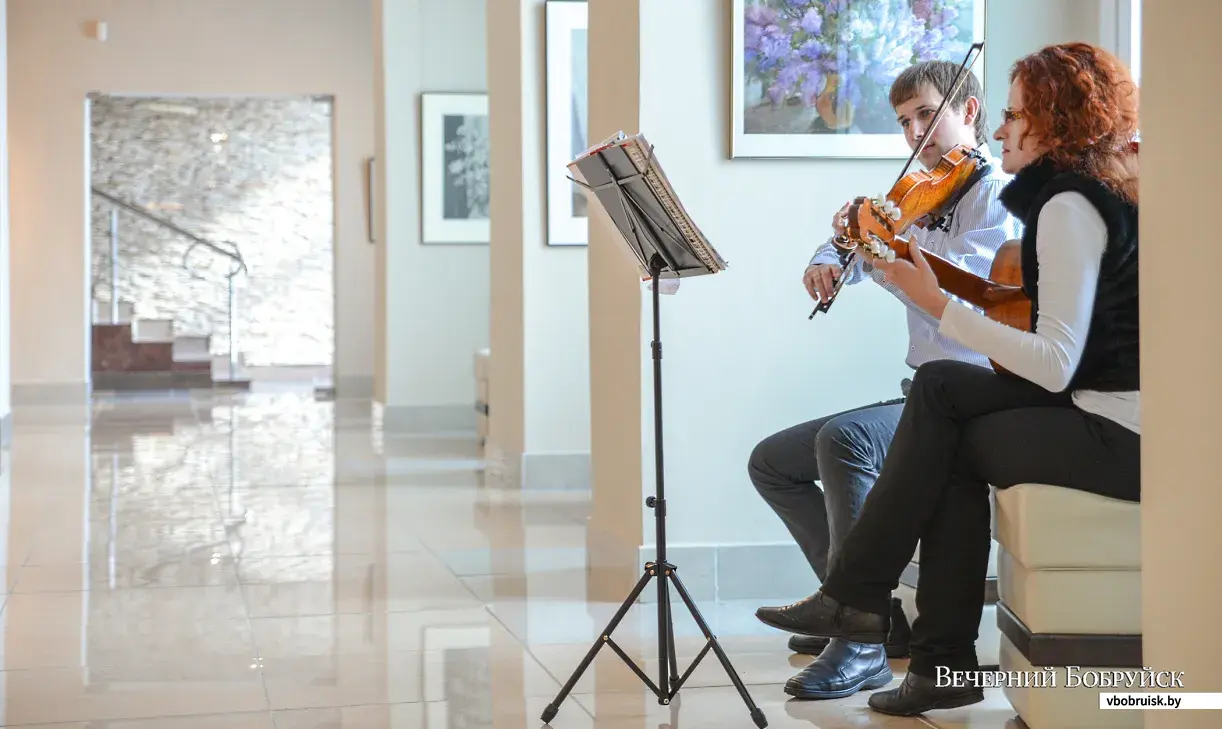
x,y
916,280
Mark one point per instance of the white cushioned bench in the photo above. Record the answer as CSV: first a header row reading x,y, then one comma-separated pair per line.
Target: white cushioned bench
x,y
1069,594
481,394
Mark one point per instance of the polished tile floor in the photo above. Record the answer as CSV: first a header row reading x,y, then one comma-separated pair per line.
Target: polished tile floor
x,y
268,560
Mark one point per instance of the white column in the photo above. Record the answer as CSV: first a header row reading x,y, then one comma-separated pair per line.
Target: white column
x,y
616,364
431,301
539,398
1182,396
6,304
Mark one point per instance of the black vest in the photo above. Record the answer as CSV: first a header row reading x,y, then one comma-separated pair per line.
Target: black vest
x,y
1110,361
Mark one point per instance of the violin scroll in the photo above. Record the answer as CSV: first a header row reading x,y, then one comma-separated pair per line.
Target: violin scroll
x,y
917,199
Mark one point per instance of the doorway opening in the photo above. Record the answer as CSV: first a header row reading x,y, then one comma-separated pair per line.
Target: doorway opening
x,y
212,235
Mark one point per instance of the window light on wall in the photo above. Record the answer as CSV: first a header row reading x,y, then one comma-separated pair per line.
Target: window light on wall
x,y
1135,40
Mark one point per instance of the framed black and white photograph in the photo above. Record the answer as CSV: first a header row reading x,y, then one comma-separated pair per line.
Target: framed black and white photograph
x,y
454,168
567,120
812,78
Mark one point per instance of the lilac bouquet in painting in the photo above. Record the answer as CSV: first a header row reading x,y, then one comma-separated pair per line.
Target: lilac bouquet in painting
x,y
826,66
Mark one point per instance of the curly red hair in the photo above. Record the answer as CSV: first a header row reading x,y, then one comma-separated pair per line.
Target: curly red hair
x,y
1082,104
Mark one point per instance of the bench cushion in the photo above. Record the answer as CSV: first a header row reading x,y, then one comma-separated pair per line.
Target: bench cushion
x,y
1044,527
1074,601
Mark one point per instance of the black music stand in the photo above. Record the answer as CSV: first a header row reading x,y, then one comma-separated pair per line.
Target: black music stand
x,y
626,184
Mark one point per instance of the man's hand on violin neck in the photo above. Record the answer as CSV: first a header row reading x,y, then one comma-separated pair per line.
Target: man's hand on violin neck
x,y
840,220
820,280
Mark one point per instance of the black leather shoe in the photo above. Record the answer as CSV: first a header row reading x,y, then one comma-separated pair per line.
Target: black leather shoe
x,y
898,637
900,634
820,615
842,669
809,645
918,694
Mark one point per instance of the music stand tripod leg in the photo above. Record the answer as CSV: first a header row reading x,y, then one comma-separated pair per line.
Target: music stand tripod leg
x,y
604,638
668,684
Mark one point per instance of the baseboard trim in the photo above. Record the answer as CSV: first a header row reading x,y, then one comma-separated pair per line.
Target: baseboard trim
x,y
736,571
502,468
747,571
419,419
50,393
556,471
1059,650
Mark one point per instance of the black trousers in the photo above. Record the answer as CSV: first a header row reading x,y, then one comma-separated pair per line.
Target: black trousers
x,y
963,429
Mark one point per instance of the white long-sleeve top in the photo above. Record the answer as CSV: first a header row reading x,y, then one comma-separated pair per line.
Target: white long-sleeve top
x,y
1069,247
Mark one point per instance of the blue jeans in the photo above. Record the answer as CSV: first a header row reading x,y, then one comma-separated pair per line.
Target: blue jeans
x,y
844,452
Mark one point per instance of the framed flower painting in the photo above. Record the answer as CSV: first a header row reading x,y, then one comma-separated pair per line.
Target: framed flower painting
x,y
811,78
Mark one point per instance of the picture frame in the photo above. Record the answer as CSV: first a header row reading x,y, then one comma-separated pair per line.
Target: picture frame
x,y
454,168
567,33
788,100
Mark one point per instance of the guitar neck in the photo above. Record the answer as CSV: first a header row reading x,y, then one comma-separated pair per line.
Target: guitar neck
x,y
967,286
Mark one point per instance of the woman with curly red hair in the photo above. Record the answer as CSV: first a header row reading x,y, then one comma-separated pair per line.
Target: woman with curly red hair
x,y
1068,415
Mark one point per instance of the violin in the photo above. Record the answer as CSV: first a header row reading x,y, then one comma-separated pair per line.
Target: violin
x,y
875,227
914,198
918,198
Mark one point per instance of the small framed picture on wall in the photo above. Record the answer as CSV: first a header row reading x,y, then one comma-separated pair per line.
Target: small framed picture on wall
x,y
454,168
567,120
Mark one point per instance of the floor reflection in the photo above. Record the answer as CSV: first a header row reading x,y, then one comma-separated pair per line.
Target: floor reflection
x,y
274,560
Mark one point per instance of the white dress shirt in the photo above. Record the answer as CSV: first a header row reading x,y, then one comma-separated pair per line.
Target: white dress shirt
x,y
979,225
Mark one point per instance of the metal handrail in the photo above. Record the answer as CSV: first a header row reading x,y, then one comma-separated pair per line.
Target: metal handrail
x,y
235,254
237,263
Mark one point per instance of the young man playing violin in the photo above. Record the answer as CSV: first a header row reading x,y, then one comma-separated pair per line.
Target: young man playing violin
x,y
844,451
1066,414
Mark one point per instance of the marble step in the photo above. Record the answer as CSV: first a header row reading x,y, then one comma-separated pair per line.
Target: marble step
x,y
193,348
152,330
102,313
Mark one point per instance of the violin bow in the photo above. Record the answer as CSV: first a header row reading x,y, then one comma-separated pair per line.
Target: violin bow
x,y
964,69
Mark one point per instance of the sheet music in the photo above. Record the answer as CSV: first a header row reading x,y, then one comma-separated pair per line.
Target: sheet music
x,y
649,201
639,152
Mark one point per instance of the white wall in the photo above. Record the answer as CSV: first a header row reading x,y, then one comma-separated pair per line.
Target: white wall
x,y
222,47
741,360
1015,29
540,388
432,299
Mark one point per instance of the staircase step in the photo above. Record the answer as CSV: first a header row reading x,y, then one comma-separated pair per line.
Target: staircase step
x,y
114,351
190,366
161,380
193,348
220,369
152,330
101,312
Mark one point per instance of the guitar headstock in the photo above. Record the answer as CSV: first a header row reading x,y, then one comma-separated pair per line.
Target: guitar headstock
x,y
871,226
876,250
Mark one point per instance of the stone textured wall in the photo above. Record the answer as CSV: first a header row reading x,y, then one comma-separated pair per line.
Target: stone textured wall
x,y
253,172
